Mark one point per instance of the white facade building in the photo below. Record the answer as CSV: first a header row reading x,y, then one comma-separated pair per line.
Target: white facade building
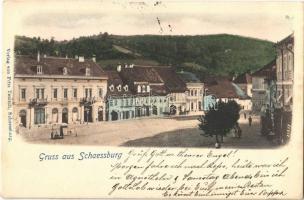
x,y
284,72
53,90
195,93
260,86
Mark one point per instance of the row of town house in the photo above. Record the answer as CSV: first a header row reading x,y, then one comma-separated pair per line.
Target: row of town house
x,y
52,90
271,88
271,85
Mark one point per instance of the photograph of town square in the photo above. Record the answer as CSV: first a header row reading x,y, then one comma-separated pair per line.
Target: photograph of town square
x,y
76,99
154,90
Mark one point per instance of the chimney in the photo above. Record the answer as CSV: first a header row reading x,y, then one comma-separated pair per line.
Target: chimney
x,y
81,59
38,56
94,58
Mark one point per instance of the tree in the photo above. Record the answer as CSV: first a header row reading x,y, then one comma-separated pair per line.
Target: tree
x,y
220,119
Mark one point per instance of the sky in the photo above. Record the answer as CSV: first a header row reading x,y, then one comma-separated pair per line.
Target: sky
x,y
65,20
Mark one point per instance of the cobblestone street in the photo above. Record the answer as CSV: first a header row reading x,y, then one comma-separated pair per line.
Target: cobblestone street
x,y
160,132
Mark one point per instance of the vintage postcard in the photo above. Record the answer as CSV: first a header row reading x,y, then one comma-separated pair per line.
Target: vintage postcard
x,y
152,99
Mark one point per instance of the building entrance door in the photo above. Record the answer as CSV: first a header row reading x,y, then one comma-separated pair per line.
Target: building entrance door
x,y
39,115
147,111
154,110
172,109
137,112
114,116
100,114
88,114
65,115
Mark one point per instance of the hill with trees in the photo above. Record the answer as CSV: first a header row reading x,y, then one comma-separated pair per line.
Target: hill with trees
x,y
221,54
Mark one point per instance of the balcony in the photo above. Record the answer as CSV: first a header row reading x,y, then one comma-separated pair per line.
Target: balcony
x,y
38,102
86,101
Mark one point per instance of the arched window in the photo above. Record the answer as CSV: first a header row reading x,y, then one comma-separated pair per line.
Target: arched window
x,y
75,114
54,111
64,110
55,115
138,89
22,113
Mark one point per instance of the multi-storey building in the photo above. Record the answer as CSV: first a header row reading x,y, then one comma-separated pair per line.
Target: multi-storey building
x,y
135,91
50,90
120,100
284,72
149,92
261,86
127,98
156,90
175,88
194,94
276,117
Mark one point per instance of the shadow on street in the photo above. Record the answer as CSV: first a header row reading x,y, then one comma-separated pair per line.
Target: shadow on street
x,y
191,138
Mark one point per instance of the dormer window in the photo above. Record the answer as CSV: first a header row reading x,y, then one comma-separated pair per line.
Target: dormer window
x,y
88,71
39,69
143,88
126,88
65,71
111,88
119,88
148,88
138,89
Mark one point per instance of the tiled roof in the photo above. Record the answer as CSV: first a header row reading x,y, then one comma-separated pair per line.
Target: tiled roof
x,y
27,65
243,79
268,71
222,88
140,74
288,39
172,81
188,77
162,79
158,90
114,81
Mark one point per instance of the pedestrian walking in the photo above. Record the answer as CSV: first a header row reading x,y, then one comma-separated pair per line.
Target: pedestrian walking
x,y
239,132
250,120
245,115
